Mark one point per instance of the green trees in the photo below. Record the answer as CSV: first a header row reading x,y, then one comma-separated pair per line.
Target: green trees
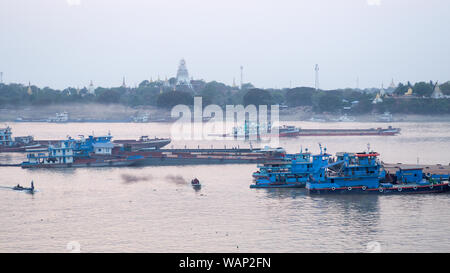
x,y
108,96
161,94
423,89
328,101
257,97
214,93
445,88
170,99
299,96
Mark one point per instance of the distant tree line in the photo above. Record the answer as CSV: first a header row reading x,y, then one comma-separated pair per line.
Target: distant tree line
x,y
165,95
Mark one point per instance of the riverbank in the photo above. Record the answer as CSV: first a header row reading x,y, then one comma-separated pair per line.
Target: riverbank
x,y
121,113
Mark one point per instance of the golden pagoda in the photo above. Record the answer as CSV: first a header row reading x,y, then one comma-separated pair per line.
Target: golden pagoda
x,y
409,92
29,91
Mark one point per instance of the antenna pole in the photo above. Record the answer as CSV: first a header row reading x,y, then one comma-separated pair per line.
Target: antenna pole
x,y
316,68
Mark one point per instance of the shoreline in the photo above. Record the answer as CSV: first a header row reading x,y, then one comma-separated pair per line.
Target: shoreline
x,y
97,113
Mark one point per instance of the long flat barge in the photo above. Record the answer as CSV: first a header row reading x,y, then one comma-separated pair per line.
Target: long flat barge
x,y
168,157
350,132
133,144
292,131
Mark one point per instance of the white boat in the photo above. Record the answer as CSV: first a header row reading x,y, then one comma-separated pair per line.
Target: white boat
x,y
386,117
346,118
59,117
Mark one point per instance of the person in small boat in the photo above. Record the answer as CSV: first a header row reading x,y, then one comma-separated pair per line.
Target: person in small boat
x,y
32,185
18,186
195,181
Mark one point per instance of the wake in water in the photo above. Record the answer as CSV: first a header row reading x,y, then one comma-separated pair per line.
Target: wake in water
x,y
129,179
24,191
177,179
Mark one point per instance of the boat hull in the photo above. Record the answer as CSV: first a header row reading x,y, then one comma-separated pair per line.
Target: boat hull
x,y
79,165
169,161
271,186
437,188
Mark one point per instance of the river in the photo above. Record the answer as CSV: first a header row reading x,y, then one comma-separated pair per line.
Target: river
x,y
154,209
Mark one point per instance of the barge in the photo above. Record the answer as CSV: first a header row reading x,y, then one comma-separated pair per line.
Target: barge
x,y
293,131
8,144
71,153
349,173
170,157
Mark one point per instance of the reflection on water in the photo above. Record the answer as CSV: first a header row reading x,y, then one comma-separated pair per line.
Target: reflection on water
x,y
155,209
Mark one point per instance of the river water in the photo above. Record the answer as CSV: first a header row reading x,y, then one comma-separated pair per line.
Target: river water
x,y
154,209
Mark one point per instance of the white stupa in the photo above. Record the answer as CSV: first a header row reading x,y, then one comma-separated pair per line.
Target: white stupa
x,y
91,88
183,75
437,93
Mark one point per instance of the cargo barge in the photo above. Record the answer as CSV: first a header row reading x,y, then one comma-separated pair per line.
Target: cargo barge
x,y
170,157
350,173
292,131
27,143
8,144
102,152
71,153
390,131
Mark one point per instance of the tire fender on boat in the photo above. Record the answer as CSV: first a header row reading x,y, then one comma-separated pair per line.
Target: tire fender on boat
x,y
349,188
415,187
431,186
380,189
399,189
333,188
364,188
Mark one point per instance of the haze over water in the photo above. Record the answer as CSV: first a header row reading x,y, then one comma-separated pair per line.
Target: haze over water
x,y
104,211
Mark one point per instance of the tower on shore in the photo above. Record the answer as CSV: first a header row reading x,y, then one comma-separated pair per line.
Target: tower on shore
x,y
316,84
242,76
1,77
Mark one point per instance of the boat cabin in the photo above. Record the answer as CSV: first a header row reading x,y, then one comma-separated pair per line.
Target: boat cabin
x,y
414,175
103,148
62,154
5,137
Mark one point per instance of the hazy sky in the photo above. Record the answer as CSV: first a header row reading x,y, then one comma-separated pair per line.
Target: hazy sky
x,y
60,43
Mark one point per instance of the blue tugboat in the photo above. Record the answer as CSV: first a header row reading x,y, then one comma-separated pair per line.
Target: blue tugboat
x,y
83,152
291,171
363,173
345,173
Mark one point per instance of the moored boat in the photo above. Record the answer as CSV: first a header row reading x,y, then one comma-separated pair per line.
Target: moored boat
x,y
291,171
86,152
348,173
364,174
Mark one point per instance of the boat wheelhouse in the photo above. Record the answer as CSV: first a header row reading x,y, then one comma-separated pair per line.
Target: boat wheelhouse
x,y
55,154
5,137
293,171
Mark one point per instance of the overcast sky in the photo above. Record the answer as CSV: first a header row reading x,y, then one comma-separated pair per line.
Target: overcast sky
x,y
60,43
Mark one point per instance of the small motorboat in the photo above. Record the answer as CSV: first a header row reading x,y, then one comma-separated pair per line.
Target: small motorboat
x,y
196,184
20,188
